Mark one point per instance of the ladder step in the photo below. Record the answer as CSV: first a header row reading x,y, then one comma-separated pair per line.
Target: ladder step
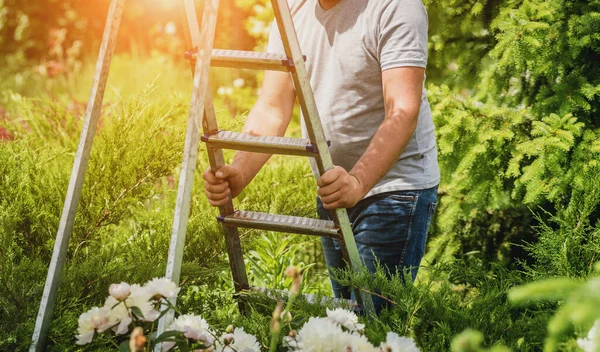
x,y
253,60
280,223
310,298
261,144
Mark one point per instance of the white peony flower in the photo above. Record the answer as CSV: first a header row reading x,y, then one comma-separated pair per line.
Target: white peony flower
x,y
120,291
142,298
345,318
395,343
88,323
162,287
193,327
592,342
117,312
242,342
319,335
360,343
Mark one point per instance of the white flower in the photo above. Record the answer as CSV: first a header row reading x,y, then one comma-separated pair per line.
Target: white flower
x,y
395,343
120,291
242,342
360,343
228,91
319,335
88,323
117,313
345,318
120,313
221,91
592,342
238,83
162,287
141,297
193,327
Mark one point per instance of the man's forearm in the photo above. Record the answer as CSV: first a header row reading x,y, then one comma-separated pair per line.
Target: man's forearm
x,y
261,121
385,148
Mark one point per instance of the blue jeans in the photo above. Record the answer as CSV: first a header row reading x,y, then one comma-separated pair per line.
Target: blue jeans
x,y
389,228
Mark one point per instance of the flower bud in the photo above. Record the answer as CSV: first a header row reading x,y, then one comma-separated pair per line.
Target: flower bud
x,y
291,272
286,316
292,334
228,339
119,291
229,329
137,340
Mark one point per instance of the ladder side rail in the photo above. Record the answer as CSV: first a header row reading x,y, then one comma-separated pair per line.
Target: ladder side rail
x,y
65,228
216,161
232,236
201,101
186,179
315,131
190,153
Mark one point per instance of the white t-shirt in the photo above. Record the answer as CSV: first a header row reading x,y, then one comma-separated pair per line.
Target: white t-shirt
x,y
346,48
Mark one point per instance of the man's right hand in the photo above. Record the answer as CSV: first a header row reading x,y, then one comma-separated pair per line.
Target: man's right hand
x,y
223,185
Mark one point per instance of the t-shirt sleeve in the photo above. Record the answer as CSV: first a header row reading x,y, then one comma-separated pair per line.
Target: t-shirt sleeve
x,y
275,44
402,37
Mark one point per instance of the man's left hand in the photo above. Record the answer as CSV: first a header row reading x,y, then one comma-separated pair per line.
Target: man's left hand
x,y
339,189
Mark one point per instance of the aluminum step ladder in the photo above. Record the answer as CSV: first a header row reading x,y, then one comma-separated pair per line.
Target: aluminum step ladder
x,y
202,114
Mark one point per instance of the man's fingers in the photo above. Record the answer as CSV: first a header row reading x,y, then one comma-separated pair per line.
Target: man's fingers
x,y
209,177
217,196
224,172
329,189
218,203
329,176
331,198
217,188
332,206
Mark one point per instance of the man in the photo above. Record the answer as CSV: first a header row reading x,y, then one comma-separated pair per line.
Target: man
x,y
366,61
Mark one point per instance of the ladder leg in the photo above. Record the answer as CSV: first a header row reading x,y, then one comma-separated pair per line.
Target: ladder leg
x,y
65,227
209,125
182,210
315,132
200,101
232,237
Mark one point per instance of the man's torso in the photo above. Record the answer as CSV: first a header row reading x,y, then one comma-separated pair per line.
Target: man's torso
x,y
343,50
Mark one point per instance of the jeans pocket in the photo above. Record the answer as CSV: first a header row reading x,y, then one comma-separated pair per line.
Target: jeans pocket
x,y
386,221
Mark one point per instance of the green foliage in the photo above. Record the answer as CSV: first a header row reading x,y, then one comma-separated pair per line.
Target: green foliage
x,y
453,298
576,301
470,341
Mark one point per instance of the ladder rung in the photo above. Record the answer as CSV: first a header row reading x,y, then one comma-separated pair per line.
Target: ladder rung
x,y
280,223
254,60
310,298
260,144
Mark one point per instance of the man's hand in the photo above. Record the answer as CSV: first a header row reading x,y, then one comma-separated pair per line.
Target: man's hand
x,y
339,189
223,185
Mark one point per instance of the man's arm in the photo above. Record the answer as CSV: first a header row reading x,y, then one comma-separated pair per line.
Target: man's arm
x,y
402,90
270,116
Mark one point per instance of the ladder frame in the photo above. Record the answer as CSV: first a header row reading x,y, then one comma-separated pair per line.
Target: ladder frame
x,y
201,114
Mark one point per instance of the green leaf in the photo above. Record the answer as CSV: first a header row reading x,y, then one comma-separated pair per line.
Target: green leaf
x,y
167,335
124,346
183,345
137,312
